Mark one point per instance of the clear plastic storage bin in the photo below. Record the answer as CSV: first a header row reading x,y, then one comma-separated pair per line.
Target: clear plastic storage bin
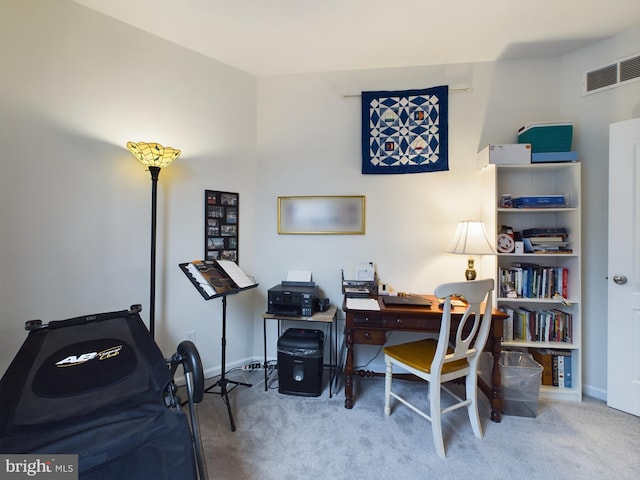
x,y
521,378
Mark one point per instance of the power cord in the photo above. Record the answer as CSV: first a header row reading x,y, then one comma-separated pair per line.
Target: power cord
x,y
362,367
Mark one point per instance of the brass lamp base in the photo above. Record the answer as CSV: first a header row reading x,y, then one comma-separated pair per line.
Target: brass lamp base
x,y
470,273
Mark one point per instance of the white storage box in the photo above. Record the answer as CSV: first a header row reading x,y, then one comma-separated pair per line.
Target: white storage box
x,y
505,154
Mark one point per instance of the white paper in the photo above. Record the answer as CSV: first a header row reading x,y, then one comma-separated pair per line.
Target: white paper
x,y
238,276
365,273
359,271
299,276
362,304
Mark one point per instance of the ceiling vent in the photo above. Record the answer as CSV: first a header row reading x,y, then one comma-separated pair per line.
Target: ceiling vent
x,y
611,76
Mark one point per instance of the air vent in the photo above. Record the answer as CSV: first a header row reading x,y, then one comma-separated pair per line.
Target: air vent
x,y
611,76
602,77
630,69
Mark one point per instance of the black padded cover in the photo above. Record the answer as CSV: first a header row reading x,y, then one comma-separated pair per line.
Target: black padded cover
x,y
94,386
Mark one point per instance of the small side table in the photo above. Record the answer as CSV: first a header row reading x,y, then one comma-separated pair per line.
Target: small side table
x,y
330,317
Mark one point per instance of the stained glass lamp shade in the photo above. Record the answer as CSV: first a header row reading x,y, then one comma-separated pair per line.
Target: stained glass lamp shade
x,y
153,154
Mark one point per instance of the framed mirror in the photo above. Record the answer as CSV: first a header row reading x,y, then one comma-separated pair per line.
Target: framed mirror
x,y
322,215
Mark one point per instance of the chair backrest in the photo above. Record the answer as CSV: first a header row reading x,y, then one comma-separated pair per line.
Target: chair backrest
x,y
473,329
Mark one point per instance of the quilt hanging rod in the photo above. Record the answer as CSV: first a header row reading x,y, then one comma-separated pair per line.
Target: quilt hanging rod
x,y
451,90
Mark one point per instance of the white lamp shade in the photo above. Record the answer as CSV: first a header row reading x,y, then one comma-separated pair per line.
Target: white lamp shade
x,y
471,239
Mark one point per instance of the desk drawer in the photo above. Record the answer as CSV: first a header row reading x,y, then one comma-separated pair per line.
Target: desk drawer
x,y
371,337
372,319
390,321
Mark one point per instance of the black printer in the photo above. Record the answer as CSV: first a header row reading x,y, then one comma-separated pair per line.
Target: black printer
x,y
293,298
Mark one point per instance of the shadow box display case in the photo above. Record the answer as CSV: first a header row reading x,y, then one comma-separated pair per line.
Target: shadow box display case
x,y
221,225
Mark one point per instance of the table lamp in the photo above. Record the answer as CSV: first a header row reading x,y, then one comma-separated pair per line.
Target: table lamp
x,y
471,239
154,156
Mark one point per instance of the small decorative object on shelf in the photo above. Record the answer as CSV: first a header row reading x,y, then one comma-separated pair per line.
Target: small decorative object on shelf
x,y
505,243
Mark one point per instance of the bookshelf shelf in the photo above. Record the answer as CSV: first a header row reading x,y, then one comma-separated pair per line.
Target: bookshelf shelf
x,y
535,210
529,180
549,345
557,393
546,301
539,255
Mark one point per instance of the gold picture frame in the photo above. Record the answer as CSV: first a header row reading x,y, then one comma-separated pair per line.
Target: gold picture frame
x,y
322,215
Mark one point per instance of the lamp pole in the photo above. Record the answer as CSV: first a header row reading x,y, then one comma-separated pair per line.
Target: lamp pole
x,y
153,156
155,172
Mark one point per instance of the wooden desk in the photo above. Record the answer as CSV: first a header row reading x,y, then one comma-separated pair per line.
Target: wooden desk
x,y
371,326
328,316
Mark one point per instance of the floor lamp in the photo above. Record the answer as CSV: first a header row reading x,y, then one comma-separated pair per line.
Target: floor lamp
x,y
471,239
154,156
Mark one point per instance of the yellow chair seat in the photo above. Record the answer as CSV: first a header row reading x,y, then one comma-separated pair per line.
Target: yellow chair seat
x,y
419,355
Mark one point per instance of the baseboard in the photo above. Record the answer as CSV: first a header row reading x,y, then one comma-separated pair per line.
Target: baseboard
x,y
599,393
217,370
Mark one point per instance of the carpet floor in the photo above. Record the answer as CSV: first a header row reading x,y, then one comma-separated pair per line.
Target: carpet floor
x,y
290,437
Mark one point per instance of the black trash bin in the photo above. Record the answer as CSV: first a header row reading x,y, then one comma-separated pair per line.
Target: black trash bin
x,y
300,357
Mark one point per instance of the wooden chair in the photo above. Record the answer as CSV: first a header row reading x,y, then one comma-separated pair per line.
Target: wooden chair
x,y
445,359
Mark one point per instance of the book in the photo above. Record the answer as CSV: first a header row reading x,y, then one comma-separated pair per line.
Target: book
x,y
507,329
216,277
528,246
558,360
561,371
567,372
556,366
529,280
544,358
522,324
553,250
547,239
539,201
545,232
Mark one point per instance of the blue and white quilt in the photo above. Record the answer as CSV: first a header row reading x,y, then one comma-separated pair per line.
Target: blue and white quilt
x,y
405,131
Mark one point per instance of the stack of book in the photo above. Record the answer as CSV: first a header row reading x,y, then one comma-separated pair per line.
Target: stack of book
x,y
548,325
556,366
529,280
546,240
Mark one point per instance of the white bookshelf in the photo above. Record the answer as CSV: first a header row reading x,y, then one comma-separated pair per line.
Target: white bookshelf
x,y
539,179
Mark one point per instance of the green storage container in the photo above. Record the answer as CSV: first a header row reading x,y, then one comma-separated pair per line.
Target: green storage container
x,y
547,137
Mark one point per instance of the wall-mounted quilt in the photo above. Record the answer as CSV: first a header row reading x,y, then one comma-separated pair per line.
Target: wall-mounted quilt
x,y
405,131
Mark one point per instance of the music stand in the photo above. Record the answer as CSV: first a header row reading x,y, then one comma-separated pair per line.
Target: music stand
x,y
230,287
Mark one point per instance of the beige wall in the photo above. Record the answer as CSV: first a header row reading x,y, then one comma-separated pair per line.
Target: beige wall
x,y
593,114
74,204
